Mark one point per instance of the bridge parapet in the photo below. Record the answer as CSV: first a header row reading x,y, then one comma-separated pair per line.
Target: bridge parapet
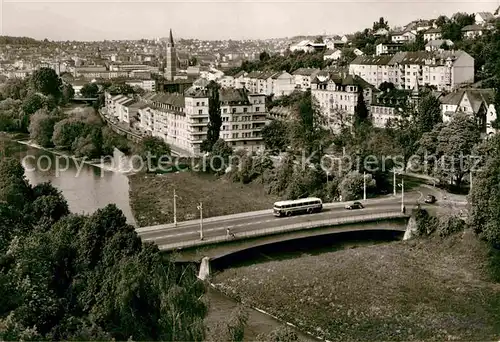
x,y
284,229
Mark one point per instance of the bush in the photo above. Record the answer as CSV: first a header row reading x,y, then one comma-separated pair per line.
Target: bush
x,y
426,224
449,225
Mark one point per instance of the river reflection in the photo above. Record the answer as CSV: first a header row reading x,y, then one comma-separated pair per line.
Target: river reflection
x,y
85,187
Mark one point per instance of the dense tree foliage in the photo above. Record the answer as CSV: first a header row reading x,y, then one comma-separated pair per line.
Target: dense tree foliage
x,y
47,82
73,277
289,63
215,118
89,90
429,113
276,136
155,150
484,198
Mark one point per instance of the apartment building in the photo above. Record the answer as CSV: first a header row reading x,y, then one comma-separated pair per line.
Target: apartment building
x,y
337,96
147,85
180,120
478,103
261,82
432,34
446,70
403,37
388,106
243,117
119,107
304,77
387,48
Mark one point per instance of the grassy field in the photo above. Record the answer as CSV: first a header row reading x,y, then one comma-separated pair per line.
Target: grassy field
x,y
415,290
151,197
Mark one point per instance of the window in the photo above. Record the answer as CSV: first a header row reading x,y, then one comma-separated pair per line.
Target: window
x,y
203,103
197,103
224,110
234,110
235,126
200,111
257,109
245,110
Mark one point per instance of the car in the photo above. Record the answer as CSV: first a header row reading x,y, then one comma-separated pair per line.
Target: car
x,y
430,199
355,205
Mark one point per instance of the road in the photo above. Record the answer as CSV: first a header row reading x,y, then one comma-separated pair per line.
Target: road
x,y
189,231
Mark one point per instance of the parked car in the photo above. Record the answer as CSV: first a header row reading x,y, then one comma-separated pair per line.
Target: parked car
x,y
430,199
355,205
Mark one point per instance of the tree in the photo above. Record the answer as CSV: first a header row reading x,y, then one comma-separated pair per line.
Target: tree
x,y
429,113
32,103
456,142
275,136
89,90
318,40
47,82
307,125
215,119
386,86
484,198
219,156
67,93
351,186
360,112
441,20
154,148
264,56
120,89
41,128
380,24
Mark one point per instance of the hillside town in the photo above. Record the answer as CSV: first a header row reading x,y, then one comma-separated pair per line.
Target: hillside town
x,y
338,186
183,68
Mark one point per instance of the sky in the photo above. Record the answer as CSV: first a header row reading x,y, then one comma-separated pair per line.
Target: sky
x,y
206,19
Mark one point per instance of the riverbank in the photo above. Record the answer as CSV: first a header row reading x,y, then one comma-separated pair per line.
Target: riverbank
x,y
414,290
92,162
151,197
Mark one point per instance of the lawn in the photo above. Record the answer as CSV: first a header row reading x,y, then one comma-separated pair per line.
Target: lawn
x,y
151,197
414,290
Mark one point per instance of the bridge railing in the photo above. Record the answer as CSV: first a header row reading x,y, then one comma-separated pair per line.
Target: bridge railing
x,y
283,229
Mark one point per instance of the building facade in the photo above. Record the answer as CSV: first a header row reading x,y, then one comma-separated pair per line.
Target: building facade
x,y
446,70
337,96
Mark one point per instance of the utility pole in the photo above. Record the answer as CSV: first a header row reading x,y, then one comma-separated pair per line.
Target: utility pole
x,y
470,187
394,181
175,209
402,194
200,208
364,186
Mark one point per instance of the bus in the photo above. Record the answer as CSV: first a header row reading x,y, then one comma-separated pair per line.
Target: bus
x,y
304,205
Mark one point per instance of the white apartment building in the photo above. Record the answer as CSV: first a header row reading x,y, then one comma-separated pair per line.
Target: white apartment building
x,y
267,83
119,107
432,34
147,85
387,49
337,96
478,103
304,77
180,120
403,37
444,69
283,84
243,117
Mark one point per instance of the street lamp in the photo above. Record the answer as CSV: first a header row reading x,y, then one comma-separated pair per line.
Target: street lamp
x,y
200,208
402,185
364,186
175,209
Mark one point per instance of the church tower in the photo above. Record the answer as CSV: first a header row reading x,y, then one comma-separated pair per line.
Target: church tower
x,y
171,59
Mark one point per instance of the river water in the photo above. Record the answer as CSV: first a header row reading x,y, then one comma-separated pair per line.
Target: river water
x,y
86,187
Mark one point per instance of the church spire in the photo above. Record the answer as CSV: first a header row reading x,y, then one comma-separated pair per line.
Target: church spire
x,y
171,41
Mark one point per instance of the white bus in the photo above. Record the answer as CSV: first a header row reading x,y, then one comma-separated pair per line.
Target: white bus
x,y
300,206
